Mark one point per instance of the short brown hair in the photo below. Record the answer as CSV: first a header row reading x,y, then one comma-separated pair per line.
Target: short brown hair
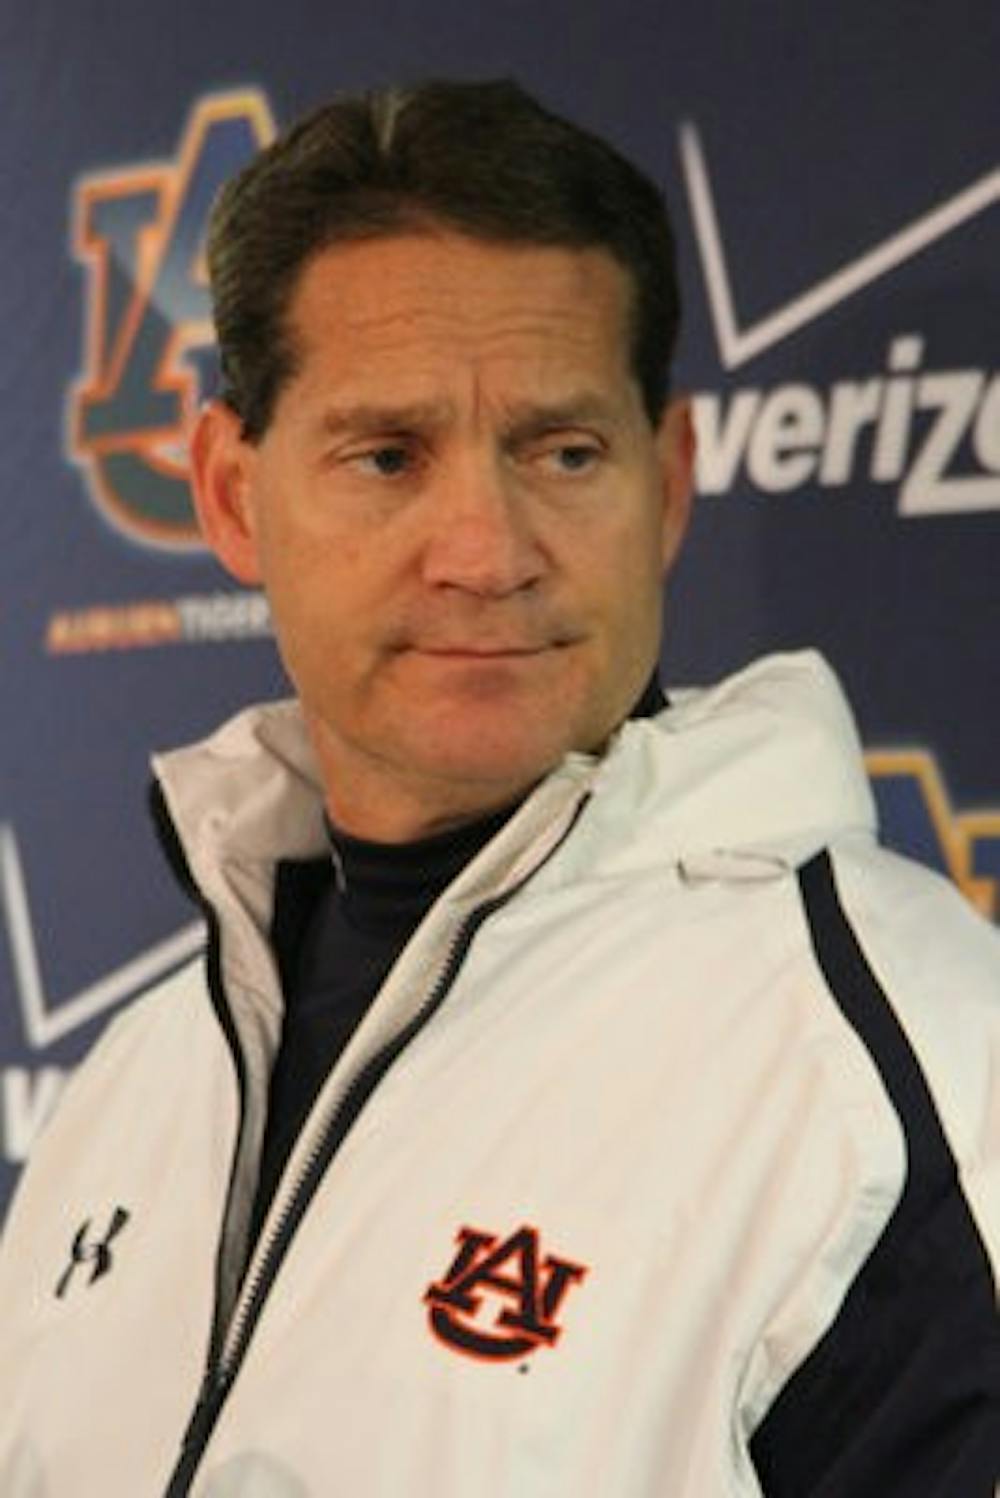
x,y
482,158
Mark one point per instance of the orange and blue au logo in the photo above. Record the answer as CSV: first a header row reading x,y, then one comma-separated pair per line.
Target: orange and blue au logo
x,y
500,1298
918,819
148,343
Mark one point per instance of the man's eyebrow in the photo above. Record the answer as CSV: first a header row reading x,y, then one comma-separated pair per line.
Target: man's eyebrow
x,y
530,418
371,417
522,419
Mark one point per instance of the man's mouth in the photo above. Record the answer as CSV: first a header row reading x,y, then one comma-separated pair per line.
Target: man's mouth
x,y
482,652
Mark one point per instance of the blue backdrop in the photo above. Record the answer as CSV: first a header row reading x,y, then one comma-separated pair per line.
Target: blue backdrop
x,y
835,184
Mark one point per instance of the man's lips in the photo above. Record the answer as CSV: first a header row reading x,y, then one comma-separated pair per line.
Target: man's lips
x,y
479,651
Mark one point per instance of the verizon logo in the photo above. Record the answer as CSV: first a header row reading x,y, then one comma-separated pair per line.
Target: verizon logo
x,y
903,426
933,432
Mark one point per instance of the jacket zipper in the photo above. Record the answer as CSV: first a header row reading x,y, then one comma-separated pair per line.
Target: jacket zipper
x,y
227,1353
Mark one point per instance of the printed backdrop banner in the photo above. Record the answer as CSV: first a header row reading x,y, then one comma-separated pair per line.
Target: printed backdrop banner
x,y
834,179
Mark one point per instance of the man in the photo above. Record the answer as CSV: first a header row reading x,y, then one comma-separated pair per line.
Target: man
x,y
574,1099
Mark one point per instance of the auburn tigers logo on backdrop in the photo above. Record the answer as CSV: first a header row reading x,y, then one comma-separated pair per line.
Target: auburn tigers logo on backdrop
x,y
149,344
499,1299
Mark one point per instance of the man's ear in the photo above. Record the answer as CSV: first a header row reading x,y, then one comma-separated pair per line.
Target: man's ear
x,y
222,466
675,444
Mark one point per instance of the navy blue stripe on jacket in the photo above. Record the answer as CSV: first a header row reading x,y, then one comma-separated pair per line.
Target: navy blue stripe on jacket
x,y
901,1397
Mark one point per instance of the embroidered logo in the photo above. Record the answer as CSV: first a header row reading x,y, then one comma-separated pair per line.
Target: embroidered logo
x,y
96,1252
463,1304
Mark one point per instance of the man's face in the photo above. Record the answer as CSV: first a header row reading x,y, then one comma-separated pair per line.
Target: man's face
x,y
461,515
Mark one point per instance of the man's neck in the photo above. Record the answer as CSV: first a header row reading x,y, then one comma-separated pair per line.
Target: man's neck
x,y
407,819
426,808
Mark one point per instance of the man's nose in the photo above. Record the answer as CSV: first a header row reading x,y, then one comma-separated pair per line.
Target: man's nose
x,y
480,534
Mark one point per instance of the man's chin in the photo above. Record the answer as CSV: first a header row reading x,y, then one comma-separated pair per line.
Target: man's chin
x,y
499,773
425,765
501,727
486,750
516,679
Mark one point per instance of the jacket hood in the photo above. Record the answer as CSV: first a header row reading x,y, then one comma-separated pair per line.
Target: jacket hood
x,y
764,765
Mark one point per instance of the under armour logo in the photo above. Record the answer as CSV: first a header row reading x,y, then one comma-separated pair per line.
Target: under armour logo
x,y
531,1289
95,1252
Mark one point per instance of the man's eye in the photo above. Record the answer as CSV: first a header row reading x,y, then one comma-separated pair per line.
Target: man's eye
x,y
572,457
386,461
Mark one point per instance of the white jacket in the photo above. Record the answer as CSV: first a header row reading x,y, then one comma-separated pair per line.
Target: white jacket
x,y
623,1214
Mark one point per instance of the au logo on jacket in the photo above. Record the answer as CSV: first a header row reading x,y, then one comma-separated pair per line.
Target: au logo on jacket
x,y
530,1288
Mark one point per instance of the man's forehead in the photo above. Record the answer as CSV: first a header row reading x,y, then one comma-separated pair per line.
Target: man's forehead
x,y
408,320
377,284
